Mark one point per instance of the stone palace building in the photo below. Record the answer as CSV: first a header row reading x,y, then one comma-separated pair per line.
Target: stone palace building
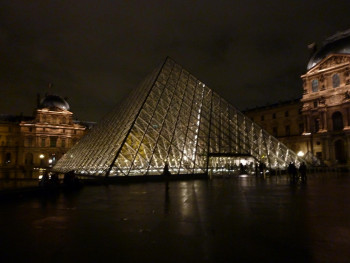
x,y
317,126
39,141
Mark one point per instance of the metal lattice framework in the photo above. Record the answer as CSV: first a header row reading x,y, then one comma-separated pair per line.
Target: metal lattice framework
x,y
173,118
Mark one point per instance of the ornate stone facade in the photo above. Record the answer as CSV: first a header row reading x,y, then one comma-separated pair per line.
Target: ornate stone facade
x,y
326,106
39,141
324,109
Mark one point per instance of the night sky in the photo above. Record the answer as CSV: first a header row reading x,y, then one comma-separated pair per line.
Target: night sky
x,y
94,52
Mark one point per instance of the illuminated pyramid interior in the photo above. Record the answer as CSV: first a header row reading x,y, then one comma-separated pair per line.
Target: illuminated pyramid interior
x,y
173,118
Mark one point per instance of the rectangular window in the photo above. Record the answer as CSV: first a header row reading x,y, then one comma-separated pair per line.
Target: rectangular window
x,y
63,143
301,128
286,114
316,125
315,104
262,117
53,141
43,142
29,142
274,131
274,116
287,130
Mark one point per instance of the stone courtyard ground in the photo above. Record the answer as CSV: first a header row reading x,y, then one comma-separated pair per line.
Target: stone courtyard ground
x,y
239,219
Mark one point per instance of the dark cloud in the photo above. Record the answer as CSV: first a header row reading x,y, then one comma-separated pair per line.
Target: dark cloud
x,y
95,52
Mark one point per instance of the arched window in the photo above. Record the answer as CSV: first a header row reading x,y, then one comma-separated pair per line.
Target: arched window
x,y
340,151
314,85
337,119
336,81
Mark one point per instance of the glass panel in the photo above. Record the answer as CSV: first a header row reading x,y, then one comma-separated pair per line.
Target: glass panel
x,y
172,117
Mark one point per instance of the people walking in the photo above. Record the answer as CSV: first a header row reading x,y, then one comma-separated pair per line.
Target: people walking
x,y
292,171
302,171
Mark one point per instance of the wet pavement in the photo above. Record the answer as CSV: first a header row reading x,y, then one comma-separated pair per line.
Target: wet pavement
x,y
241,219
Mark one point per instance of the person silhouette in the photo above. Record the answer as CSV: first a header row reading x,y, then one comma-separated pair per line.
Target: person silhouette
x,y
302,171
167,174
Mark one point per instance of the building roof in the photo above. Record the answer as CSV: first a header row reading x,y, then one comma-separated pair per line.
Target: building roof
x,y
274,105
54,102
6,118
336,44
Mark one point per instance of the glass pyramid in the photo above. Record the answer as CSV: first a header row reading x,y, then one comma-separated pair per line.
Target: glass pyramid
x,y
172,118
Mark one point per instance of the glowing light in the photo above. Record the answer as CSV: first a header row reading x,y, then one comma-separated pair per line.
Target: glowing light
x,y
50,161
41,156
244,162
300,154
222,128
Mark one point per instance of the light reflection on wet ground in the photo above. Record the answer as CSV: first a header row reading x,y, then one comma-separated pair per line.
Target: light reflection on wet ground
x,y
223,220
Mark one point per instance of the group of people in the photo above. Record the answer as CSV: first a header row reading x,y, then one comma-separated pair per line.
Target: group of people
x,y
293,171
51,180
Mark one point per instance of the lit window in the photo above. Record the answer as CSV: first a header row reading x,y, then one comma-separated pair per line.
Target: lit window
x,y
336,81
314,85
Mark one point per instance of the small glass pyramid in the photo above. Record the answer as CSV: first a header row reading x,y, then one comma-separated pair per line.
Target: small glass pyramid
x,y
172,118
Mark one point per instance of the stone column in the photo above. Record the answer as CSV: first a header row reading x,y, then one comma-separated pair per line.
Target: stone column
x,y
321,120
347,148
325,121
